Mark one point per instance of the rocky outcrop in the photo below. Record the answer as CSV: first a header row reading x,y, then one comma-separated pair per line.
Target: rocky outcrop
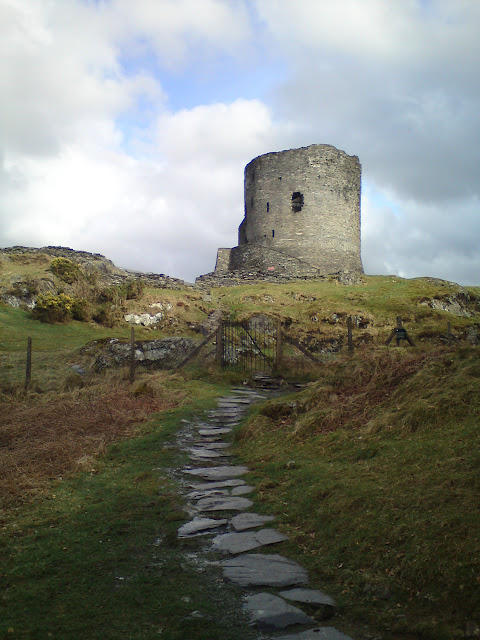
x,y
91,263
149,319
165,353
460,304
94,266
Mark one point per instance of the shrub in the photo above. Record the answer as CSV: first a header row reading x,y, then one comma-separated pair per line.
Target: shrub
x,y
131,290
134,289
81,310
54,308
107,315
65,269
115,295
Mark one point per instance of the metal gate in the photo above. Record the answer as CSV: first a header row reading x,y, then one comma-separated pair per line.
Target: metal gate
x,y
248,346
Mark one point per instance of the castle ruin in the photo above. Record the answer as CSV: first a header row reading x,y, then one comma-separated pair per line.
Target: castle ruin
x,y
302,216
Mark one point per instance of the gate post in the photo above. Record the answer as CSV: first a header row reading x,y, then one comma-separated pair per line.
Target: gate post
x,y
219,350
279,346
399,331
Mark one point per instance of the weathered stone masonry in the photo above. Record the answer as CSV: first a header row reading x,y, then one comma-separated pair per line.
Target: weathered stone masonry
x,y
302,216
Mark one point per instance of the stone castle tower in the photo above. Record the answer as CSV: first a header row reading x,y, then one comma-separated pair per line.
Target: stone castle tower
x,y
302,216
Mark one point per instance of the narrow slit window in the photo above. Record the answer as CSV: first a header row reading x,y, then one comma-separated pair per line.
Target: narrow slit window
x,y
297,201
268,207
273,233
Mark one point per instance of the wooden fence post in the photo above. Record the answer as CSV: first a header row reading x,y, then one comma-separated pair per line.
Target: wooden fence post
x,y
400,334
399,331
28,373
350,336
132,355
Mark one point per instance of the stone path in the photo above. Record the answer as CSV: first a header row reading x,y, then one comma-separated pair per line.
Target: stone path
x,y
275,597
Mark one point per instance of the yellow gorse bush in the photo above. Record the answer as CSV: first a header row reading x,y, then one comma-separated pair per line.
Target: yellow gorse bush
x,y
65,269
52,308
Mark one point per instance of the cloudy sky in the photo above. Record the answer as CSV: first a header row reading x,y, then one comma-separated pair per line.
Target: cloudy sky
x,y
125,125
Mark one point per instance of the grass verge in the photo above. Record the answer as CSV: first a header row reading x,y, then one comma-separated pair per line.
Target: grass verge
x,y
98,556
373,473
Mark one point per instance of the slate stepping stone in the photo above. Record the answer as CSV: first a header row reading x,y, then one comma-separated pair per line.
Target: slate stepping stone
x,y
319,633
213,459
214,445
249,392
257,569
316,602
200,452
233,405
234,482
308,596
218,473
208,493
268,612
214,432
241,491
247,540
198,525
227,503
249,521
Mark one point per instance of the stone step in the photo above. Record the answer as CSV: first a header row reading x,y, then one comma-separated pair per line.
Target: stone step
x,y
269,612
235,543
256,569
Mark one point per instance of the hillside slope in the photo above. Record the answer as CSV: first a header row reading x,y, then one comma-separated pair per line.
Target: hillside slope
x,y
373,471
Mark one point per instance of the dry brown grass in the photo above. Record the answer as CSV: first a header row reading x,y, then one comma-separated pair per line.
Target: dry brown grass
x,y
350,390
45,437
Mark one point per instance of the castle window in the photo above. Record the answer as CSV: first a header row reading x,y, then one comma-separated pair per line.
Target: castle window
x,y
273,233
268,207
297,201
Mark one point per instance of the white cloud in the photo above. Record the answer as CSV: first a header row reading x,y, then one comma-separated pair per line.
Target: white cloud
x,y
166,214
173,28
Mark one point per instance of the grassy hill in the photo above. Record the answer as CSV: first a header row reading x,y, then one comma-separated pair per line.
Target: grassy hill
x,y
374,472
372,469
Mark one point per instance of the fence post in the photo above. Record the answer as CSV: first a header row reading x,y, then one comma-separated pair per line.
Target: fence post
x,y
28,373
399,326
219,349
132,354
279,346
350,336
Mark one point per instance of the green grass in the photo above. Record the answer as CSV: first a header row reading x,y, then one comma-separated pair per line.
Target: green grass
x,y
100,557
316,311
17,325
54,347
383,501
